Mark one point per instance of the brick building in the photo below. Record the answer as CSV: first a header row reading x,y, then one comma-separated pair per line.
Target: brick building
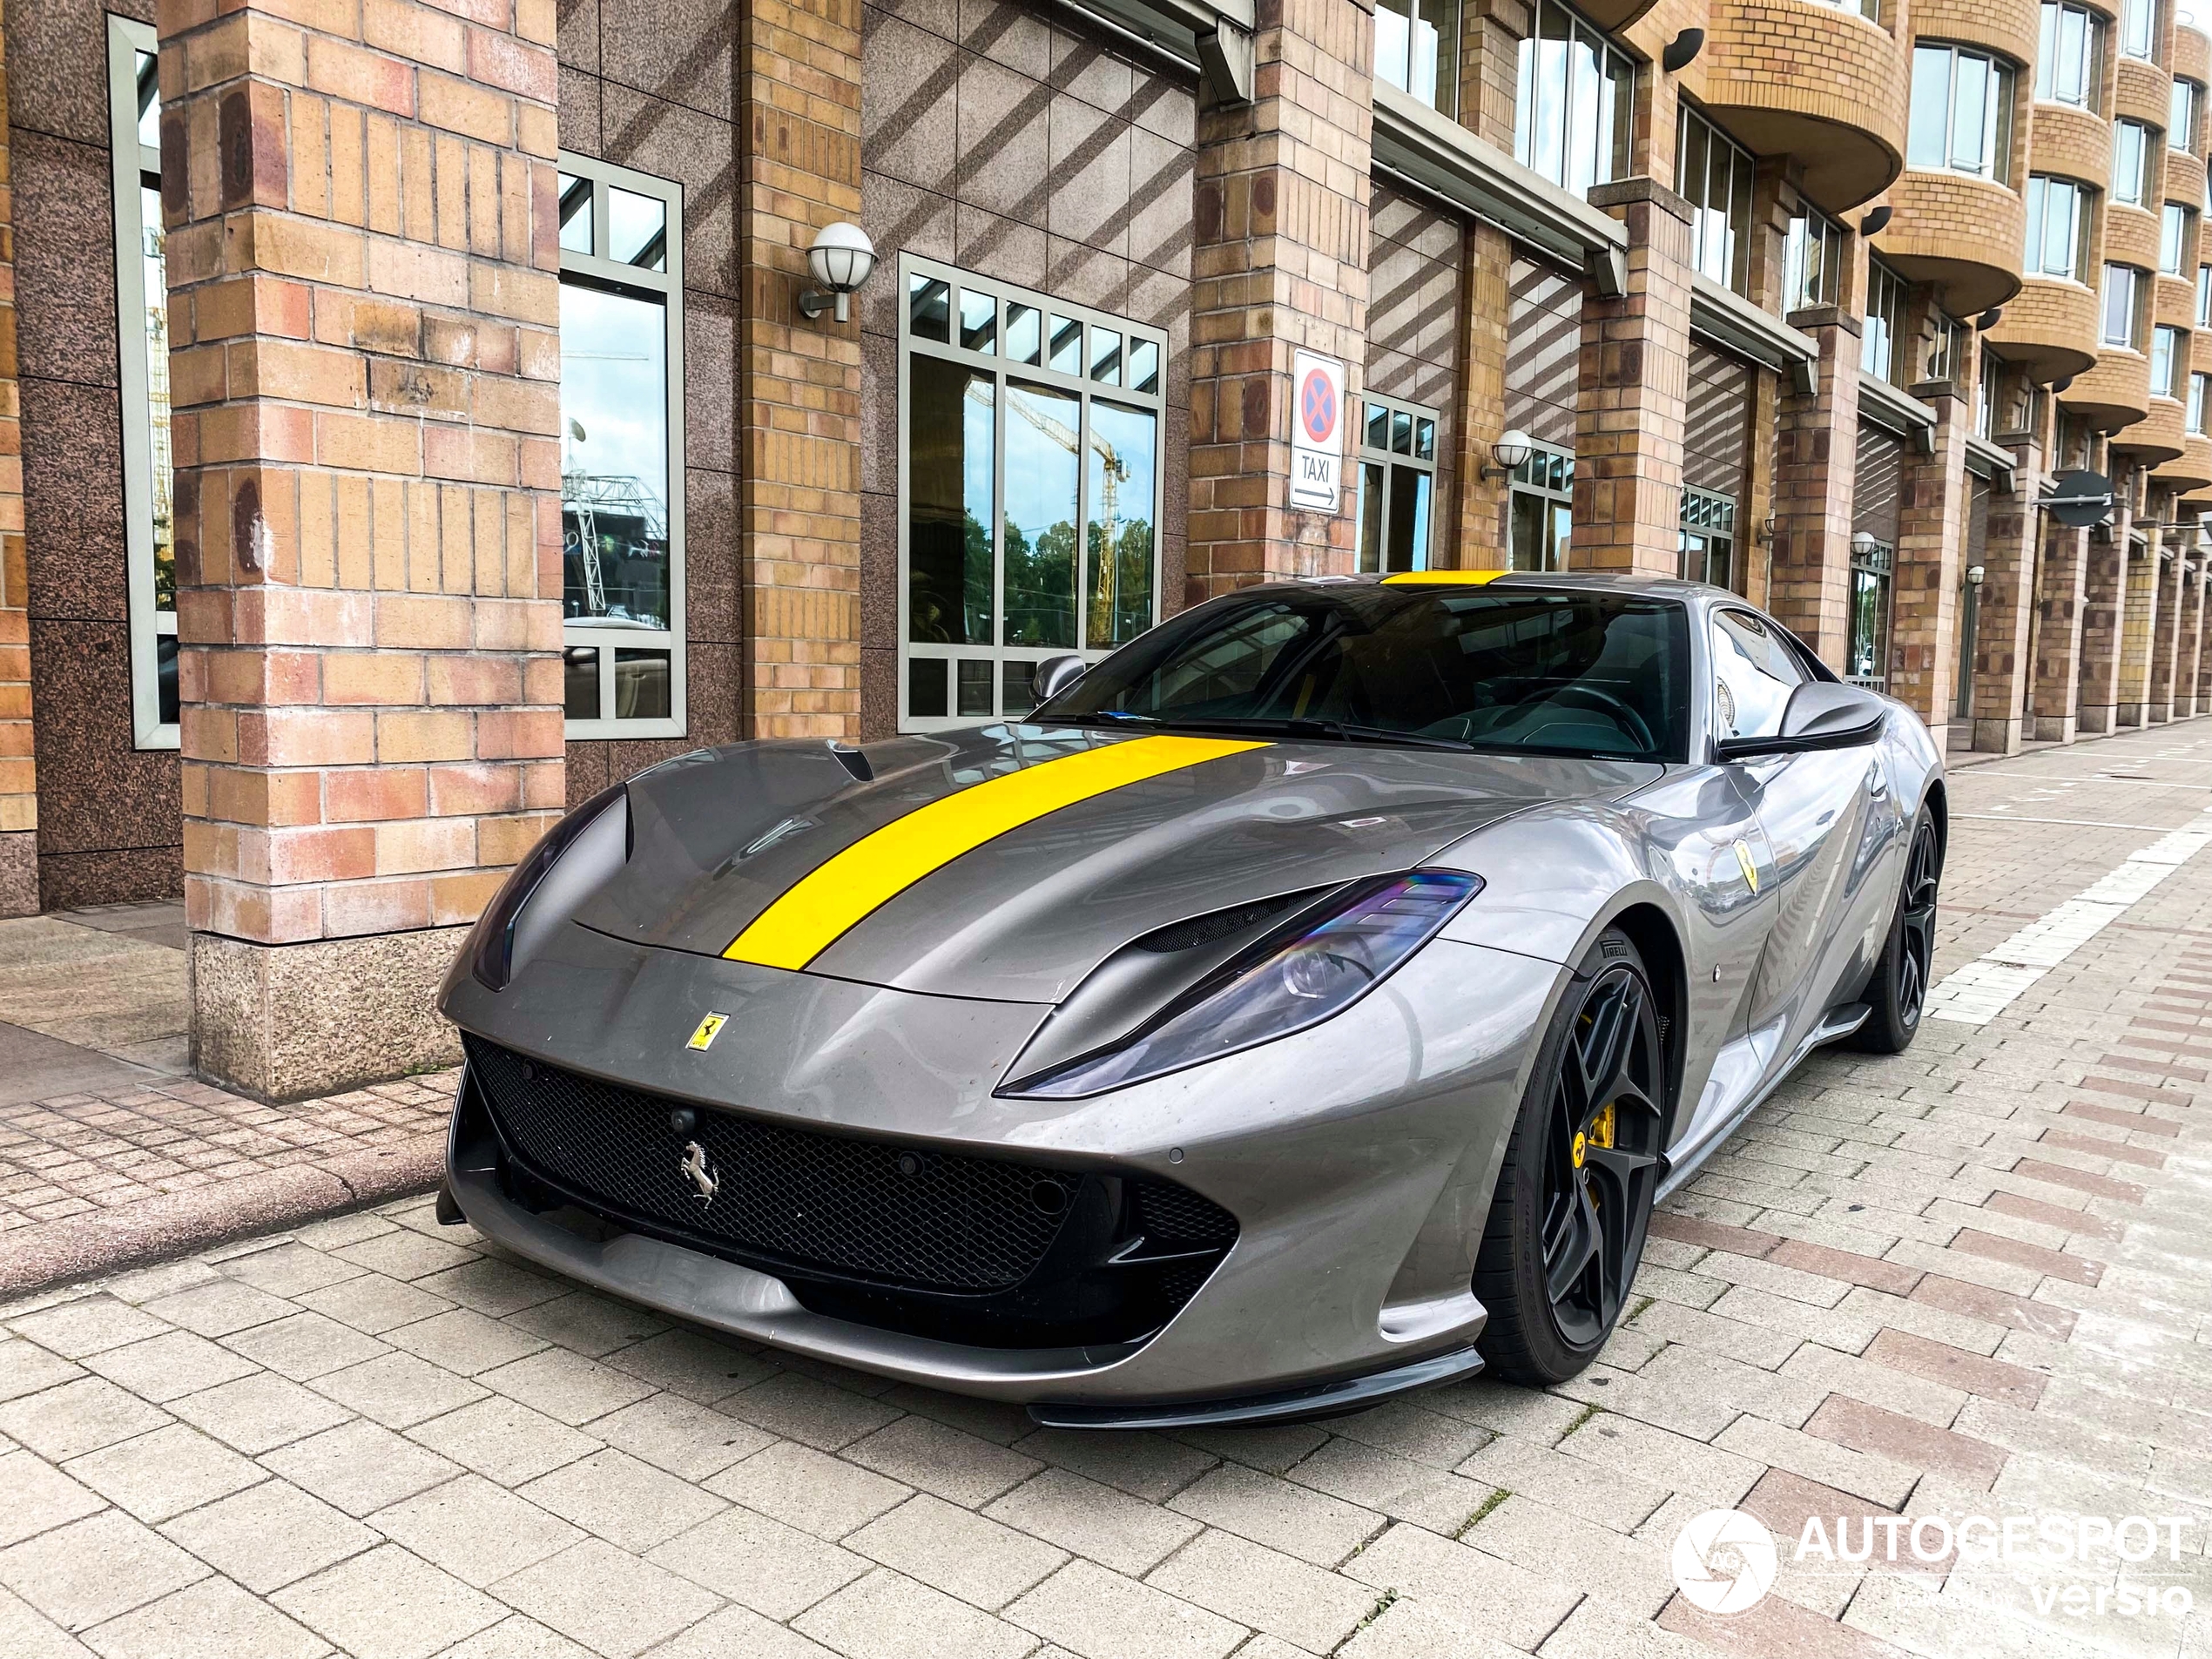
x,y
420,425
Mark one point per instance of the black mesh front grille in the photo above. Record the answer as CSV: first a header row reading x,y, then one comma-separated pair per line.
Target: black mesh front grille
x,y
1177,1215
873,1210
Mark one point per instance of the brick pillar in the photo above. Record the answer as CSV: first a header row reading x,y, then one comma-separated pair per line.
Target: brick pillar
x,y
1815,473
798,397
1484,297
362,249
2188,660
2174,576
2139,633
1633,402
2002,659
18,780
1931,530
2062,603
2104,605
1280,264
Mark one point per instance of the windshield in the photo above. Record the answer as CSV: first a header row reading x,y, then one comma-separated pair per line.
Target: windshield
x,y
1556,671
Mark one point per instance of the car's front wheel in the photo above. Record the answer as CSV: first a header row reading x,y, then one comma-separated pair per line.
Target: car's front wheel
x,y
1573,1198
1898,992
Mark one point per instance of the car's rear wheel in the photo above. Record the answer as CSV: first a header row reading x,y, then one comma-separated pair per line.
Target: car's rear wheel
x,y
1574,1199
1898,991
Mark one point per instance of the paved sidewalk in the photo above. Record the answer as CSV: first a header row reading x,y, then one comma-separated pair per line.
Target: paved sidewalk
x,y
1971,1279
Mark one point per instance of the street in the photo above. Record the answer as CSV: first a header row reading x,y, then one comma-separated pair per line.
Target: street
x,y
1966,1281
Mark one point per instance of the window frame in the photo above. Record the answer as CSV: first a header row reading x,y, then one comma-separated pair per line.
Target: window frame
x,y
1742,192
1802,291
1887,295
1996,164
2081,200
1711,515
1388,460
596,270
2138,280
996,364
1989,371
2143,14
2050,23
2204,296
1444,103
1546,477
2137,190
1879,564
2176,233
134,167
1611,160
2200,384
2184,110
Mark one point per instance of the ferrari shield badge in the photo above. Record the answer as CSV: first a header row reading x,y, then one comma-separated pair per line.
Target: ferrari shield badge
x,y
709,1029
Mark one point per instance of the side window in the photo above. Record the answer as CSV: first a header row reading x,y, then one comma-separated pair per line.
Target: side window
x,y
1754,672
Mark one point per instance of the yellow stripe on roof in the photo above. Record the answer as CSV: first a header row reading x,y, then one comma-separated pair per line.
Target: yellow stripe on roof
x,y
837,894
1442,578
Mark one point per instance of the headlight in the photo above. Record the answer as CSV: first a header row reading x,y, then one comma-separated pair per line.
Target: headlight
x,y
1282,984
491,948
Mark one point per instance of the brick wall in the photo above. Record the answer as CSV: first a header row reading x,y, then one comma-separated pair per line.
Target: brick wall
x,y
364,309
18,781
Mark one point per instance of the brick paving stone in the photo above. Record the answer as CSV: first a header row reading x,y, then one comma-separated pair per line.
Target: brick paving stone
x,y
886,1612
359,1466
630,1504
942,1544
399,1390
1103,1523
502,1440
760,1563
388,1604
213,1619
161,1475
1266,1590
1100,1615
40,1497
1279,1514
478,1531
89,1571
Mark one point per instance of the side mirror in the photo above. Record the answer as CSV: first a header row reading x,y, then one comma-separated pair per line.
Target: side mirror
x,y
1055,675
1821,714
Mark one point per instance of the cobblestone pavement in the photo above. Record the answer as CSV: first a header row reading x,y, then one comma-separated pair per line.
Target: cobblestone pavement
x,y
1971,1279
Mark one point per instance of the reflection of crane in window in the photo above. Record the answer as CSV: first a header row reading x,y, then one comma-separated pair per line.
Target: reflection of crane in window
x,y
1115,471
584,495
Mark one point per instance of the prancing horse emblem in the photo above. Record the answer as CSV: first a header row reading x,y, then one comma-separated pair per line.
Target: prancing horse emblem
x,y
694,1165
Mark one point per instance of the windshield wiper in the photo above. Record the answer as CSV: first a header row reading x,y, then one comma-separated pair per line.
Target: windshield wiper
x,y
1333,730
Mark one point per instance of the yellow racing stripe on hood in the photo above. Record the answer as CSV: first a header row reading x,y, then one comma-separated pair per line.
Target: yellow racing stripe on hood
x,y
1442,578
816,912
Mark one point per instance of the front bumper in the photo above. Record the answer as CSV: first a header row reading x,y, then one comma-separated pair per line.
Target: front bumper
x,y
1357,1157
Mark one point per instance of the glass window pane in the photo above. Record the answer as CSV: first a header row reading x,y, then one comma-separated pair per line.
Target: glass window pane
x,y
1392,31
149,80
1024,333
1619,110
1407,535
1436,54
927,694
1042,433
1017,683
1424,440
1924,144
576,214
929,308
1583,101
1969,115
1145,365
1378,426
641,688
974,687
1371,517
1067,346
1738,275
1120,485
2073,64
637,230
154,250
165,677
1401,432
979,321
950,421
1106,356
580,682
614,466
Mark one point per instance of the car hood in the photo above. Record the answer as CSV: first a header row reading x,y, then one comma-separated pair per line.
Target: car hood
x,y
717,836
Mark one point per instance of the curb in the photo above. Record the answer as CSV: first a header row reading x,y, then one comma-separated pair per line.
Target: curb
x,y
54,1253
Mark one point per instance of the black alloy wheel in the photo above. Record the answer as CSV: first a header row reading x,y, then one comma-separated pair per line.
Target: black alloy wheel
x,y
1897,995
1573,1200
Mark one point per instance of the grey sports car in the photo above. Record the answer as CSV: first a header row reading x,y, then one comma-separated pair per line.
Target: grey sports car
x,y
1306,1002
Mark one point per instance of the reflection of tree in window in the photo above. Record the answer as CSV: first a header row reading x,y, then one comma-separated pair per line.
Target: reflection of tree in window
x,y
1117,553
1041,482
948,497
614,472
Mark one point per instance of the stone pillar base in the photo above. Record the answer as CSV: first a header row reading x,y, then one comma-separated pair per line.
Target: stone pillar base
x,y
19,873
285,1023
2051,728
1998,737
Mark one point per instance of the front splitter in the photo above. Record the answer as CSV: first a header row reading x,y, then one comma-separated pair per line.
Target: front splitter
x,y
1292,1406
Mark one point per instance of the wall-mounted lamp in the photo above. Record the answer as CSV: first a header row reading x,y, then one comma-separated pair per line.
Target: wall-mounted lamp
x,y
1975,574
1767,532
1681,51
1873,225
1509,451
1863,543
1990,319
840,260
2058,386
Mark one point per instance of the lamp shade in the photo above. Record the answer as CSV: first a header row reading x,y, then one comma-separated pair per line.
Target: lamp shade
x,y
1511,448
842,257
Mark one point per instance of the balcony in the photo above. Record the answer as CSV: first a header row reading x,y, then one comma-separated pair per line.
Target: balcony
x,y
2050,326
1963,235
2114,395
2009,26
2157,439
1815,82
